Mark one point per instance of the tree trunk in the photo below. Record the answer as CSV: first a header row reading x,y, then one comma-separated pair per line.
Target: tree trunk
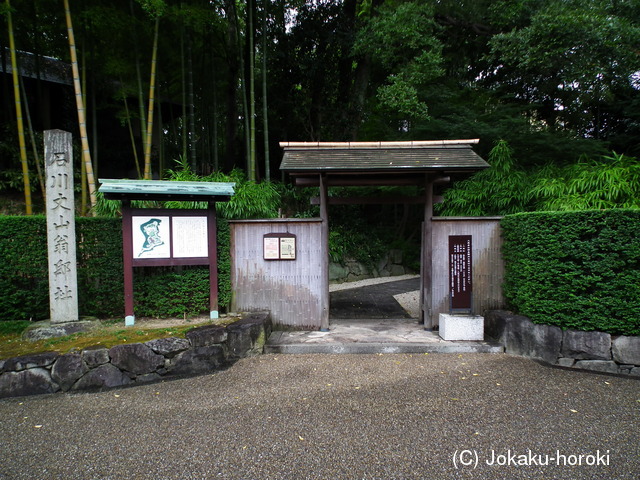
x,y
214,118
16,92
265,109
152,87
252,94
245,102
231,129
143,123
192,108
183,86
32,138
131,136
86,155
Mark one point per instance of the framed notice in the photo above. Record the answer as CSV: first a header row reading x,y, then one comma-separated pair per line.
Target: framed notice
x,y
279,246
460,277
156,237
189,237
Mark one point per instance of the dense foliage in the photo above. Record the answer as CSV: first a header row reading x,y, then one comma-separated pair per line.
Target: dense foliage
x,y
556,79
577,270
161,292
609,181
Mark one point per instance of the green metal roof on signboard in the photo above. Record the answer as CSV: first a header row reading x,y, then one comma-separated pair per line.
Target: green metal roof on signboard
x,y
166,190
388,157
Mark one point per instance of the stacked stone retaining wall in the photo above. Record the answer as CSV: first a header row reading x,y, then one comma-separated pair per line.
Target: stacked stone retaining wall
x,y
596,351
204,349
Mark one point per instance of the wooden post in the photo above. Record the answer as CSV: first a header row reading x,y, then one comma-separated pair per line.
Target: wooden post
x,y
324,215
426,266
127,260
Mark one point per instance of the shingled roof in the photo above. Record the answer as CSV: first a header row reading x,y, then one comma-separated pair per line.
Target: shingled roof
x,y
304,160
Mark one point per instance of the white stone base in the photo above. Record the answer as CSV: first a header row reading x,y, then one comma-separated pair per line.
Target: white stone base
x,y
461,327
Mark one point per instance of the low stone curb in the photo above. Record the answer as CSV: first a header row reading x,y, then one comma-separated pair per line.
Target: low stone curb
x,y
382,348
205,349
595,351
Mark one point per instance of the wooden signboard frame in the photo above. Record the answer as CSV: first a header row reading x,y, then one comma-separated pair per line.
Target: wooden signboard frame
x,y
460,273
169,237
279,246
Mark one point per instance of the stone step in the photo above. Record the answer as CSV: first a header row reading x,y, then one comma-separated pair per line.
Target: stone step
x,y
382,348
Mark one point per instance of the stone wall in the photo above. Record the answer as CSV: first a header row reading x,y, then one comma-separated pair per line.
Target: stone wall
x,y
204,349
596,351
351,270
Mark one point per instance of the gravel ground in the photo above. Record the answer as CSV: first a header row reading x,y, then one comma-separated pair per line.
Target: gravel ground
x,y
335,417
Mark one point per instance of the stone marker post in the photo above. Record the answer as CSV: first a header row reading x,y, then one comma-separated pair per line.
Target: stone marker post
x,y
61,227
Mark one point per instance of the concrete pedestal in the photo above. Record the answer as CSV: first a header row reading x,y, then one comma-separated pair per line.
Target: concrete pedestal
x,y
461,327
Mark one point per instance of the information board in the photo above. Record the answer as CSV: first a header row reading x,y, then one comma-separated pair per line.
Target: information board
x,y
279,246
189,236
460,277
168,237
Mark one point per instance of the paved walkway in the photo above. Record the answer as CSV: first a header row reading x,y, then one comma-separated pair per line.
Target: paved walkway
x,y
335,417
374,318
394,335
374,300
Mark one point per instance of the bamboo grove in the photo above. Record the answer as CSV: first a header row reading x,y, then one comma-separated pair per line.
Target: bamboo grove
x,y
147,85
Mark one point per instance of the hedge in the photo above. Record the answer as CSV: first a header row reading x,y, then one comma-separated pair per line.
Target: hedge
x,y
576,270
158,292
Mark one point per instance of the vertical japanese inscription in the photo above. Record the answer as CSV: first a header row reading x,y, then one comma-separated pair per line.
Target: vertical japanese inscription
x,y
460,261
61,230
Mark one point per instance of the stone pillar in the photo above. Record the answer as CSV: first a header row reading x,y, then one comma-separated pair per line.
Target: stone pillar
x,y
61,227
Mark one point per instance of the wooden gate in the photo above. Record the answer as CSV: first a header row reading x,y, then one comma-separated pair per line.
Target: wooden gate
x,y
280,265
487,268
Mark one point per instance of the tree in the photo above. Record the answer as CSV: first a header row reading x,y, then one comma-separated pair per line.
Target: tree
x,y
86,155
569,59
251,163
18,105
155,8
347,70
401,40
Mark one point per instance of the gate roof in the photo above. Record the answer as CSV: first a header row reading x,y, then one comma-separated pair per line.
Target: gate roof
x,y
396,163
163,190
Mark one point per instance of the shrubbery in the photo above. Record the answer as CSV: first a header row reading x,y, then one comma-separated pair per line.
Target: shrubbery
x,y
161,292
577,270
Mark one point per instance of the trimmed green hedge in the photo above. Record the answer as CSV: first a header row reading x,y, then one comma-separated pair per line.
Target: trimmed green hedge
x,y
158,292
577,270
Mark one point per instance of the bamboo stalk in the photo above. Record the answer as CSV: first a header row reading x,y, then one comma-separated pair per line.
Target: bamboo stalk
x,y
16,91
82,122
152,88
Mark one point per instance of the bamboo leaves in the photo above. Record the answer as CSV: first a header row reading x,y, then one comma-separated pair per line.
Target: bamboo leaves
x,y
610,182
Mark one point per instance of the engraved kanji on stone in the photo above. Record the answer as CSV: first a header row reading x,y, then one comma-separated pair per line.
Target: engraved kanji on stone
x,y
63,293
62,267
61,180
61,244
60,158
60,202
62,224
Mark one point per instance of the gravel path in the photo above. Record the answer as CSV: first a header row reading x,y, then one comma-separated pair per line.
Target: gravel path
x,y
333,417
